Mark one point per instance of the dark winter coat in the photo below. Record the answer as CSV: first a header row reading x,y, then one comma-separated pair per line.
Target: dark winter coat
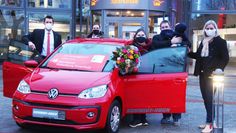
x,y
218,56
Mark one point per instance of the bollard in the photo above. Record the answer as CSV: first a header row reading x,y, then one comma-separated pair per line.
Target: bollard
x,y
218,101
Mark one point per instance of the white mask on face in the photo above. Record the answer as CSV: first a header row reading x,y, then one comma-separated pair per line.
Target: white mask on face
x,y
48,26
211,33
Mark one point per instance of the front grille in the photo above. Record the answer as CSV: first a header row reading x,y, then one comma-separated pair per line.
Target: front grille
x,y
47,105
60,94
52,106
56,106
66,122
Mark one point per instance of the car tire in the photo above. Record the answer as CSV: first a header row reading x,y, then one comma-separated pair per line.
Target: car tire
x,y
113,118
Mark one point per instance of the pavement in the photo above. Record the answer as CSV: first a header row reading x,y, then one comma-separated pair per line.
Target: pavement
x,y
194,116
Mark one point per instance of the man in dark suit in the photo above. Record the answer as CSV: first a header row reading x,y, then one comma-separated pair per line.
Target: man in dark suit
x,y
43,40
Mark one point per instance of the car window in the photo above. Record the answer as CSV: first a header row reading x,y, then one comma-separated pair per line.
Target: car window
x,y
19,52
166,60
87,49
87,57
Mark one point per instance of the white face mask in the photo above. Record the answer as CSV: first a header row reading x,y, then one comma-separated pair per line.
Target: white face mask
x,y
48,26
211,33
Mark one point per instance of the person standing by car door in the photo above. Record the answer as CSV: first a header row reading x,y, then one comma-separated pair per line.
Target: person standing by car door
x,y
211,54
43,40
170,38
141,41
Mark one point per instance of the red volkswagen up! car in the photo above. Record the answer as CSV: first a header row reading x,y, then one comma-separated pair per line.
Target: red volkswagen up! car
x,y
78,85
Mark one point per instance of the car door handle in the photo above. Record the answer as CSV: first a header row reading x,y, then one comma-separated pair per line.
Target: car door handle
x,y
161,65
179,81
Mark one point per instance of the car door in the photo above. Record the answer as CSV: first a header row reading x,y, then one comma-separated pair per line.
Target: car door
x,y
13,68
160,84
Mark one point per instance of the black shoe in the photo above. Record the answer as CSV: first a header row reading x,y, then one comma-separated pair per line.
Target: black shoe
x,y
165,121
135,124
145,123
176,122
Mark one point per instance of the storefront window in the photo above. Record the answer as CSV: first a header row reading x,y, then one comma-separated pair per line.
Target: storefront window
x,y
155,19
198,5
11,24
97,17
125,13
50,4
113,30
129,29
11,28
17,3
61,23
83,19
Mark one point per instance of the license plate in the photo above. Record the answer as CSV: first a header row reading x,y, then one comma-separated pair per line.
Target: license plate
x,y
49,114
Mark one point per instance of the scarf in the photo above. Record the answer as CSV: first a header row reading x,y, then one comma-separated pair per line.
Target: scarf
x,y
205,48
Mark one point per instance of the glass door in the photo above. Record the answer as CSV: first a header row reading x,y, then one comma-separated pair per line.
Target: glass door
x,y
129,29
113,30
122,29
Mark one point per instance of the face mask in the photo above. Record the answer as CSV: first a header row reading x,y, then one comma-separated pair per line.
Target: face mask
x,y
96,32
48,26
167,33
140,39
211,33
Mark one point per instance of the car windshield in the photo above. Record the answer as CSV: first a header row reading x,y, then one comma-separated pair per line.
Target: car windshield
x,y
82,57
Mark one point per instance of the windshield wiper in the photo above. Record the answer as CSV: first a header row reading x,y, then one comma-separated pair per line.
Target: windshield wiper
x,y
49,67
105,65
65,69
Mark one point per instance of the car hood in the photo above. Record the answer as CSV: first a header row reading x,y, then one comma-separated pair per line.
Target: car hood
x,y
68,82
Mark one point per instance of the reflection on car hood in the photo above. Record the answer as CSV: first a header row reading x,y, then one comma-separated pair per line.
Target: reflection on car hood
x,y
69,82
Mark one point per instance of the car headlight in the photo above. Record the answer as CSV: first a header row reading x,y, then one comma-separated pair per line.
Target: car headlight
x,y
95,92
23,87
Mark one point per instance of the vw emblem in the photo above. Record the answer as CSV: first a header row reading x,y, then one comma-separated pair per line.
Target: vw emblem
x,y
52,93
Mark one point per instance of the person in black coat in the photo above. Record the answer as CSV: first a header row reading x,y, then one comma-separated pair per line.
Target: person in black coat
x,y
211,54
170,38
43,40
96,33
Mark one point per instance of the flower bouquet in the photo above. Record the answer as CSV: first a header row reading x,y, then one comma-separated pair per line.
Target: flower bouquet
x,y
127,59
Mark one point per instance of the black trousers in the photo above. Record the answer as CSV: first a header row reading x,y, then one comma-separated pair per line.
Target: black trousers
x,y
139,117
174,115
207,94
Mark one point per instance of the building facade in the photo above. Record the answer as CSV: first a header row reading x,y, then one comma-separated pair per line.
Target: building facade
x,y
121,18
223,12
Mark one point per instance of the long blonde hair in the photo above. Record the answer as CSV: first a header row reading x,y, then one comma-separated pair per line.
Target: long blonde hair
x,y
208,23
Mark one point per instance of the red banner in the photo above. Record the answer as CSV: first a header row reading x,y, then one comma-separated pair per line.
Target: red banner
x,y
80,62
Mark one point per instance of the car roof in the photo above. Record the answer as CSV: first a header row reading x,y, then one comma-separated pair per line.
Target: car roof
x,y
114,41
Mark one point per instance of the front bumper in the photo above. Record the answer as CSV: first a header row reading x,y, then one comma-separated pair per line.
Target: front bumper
x,y
75,116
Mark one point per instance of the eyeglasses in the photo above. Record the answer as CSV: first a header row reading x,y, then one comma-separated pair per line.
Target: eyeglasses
x,y
209,28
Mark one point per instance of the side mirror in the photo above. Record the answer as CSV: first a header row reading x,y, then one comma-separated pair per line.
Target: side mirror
x,y
31,63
